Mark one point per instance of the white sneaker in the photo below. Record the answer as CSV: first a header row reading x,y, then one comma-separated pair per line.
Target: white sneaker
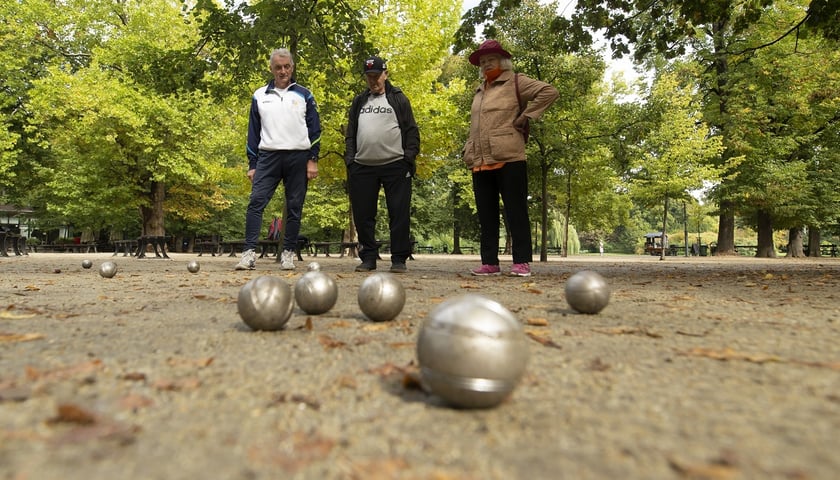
x,y
248,260
287,260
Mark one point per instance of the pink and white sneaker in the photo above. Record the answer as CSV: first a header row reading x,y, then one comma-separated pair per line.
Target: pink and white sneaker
x,y
520,270
486,270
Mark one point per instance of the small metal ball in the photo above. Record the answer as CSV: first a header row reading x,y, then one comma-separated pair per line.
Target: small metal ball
x,y
108,269
472,352
587,292
193,266
315,292
86,263
265,303
314,267
381,297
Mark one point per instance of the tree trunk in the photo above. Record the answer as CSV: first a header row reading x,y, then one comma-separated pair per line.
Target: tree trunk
x,y
544,210
565,252
664,234
726,230
814,239
765,248
794,246
152,214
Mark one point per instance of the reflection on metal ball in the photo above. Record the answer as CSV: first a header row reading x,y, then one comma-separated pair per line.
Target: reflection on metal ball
x,y
472,352
315,292
108,269
587,292
86,263
265,303
381,297
193,266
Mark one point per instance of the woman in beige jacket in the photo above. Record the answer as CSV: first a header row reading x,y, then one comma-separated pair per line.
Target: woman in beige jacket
x,y
495,152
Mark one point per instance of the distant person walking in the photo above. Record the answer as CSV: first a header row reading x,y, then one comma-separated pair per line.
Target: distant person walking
x,y
381,145
503,104
284,135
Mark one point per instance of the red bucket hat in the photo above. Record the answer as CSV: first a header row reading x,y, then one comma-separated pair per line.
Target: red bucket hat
x,y
486,48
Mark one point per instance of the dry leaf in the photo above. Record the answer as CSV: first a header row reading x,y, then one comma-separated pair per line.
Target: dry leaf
x,y
189,362
543,340
292,452
730,354
71,413
329,343
181,384
31,288
134,377
8,313
135,402
19,337
537,322
297,398
65,372
377,327
380,469
709,471
308,324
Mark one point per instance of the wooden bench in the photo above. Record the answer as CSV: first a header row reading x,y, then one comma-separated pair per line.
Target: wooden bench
x,y
12,240
127,246
267,247
425,249
210,244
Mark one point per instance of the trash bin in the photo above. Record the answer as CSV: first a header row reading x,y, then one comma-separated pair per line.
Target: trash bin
x,y
704,250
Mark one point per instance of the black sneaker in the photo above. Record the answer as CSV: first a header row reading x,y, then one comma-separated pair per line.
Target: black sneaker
x,y
398,267
366,266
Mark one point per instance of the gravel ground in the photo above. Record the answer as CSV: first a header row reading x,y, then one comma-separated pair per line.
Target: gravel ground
x,y
713,368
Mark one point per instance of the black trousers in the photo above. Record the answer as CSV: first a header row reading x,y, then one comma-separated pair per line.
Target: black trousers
x,y
511,183
288,166
364,184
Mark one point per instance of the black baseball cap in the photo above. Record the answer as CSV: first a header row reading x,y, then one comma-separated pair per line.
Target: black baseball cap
x,y
375,65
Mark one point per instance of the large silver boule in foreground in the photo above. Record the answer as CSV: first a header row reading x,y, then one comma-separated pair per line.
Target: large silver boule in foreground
x,y
108,269
587,292
381,297
265,303
315,291
472,352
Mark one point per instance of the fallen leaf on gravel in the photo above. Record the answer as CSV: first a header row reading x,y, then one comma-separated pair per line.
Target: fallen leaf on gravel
x,y
293,452
189,362
64,372
401,344
730,354
329,343
340,324
177,385
135,402
199,296
469,285
537,322
377,327
297,398
708,471
380,469
624,330
71,413
19,337
134,376
543,340
307,325
10,314
31,288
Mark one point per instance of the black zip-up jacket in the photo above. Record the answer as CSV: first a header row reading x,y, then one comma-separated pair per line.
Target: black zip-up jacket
x,y
405,118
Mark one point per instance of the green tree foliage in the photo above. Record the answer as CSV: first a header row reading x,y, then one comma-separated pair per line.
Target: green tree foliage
x,y
675,155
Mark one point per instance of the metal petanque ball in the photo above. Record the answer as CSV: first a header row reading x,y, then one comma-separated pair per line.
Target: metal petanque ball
x,y
315,291
265,303
193,266
381,297
108,269
86,263
587,292
472,352
314,267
